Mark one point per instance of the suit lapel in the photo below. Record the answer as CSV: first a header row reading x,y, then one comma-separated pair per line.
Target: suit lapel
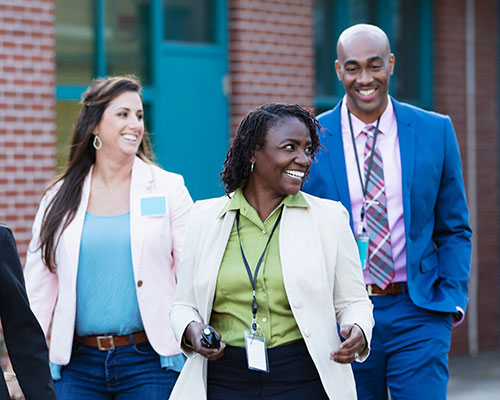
x,y
335,146
406,136
72,235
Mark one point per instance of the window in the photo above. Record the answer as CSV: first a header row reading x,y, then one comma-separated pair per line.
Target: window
x,y
407,23
189,21
75,36
97,38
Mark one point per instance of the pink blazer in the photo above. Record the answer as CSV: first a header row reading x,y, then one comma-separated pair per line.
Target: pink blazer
x,y
156,243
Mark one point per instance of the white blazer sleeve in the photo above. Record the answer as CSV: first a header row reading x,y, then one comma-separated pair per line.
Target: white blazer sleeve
x,y
352,303
184,308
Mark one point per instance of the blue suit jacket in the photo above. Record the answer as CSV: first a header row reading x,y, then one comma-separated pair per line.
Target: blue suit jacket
x,y
438,245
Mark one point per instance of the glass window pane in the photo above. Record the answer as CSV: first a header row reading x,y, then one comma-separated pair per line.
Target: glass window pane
x,y
74,41
362,11
324,46
128,43
189,20
66,113
405,46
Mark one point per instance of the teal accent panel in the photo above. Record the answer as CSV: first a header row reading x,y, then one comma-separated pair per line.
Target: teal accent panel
x,y
71,93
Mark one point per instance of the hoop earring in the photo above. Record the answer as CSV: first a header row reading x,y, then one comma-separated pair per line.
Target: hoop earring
x,y
252,165
97,142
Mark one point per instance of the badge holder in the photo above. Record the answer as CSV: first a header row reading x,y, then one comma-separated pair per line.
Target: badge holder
x,y
256,349
362,242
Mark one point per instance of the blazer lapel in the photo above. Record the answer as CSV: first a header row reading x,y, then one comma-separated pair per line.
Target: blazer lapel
x,y
72,235
406,135
141,183
220,234
335,146
299,252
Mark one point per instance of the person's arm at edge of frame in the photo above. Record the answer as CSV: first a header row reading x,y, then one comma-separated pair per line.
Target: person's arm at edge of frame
x,y
23,335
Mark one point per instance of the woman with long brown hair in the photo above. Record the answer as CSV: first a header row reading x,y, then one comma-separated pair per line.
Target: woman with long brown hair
x,y
104,254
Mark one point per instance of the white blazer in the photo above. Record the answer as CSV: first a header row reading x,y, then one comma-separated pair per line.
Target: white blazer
x,y
156,244
321,273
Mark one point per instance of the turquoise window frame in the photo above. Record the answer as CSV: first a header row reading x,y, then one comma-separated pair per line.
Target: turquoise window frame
x,y
340,19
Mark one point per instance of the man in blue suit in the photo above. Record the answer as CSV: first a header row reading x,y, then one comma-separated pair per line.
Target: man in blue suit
x,y
397,170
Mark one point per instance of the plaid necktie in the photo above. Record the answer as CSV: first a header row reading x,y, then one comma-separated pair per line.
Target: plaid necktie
x,y
381,265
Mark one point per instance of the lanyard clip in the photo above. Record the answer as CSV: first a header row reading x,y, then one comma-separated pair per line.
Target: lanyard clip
x,y
361,228
255,326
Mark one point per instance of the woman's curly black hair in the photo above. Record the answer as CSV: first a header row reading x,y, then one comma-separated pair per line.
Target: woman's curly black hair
x,y
251,137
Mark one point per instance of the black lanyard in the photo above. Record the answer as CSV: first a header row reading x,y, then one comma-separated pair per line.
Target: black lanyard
x,y
370,161
253,279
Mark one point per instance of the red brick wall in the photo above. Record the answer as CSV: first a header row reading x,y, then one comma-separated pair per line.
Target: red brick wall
x,y
27,117
450,98
487,131
271,54
449,92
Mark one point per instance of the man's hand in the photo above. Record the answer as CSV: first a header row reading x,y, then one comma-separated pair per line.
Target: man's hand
x,y
352,347
193,336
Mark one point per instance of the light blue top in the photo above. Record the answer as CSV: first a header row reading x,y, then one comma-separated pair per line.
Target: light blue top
x,y
105,291
106,300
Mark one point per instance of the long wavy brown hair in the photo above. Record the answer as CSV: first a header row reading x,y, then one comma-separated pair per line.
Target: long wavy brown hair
x,y
63,206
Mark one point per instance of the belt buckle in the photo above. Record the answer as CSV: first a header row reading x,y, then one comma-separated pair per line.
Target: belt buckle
x,y
103,347
370,291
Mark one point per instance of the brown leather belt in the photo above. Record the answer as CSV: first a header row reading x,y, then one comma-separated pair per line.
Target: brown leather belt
x,y
391,288
110,342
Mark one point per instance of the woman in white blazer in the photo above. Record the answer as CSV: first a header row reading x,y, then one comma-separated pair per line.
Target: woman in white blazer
x,y
102,262
270,271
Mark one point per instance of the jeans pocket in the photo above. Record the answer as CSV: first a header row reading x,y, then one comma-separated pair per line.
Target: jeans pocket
x,y
144,349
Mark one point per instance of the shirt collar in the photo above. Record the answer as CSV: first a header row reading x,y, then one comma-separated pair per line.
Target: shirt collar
x,y
238,201
386,120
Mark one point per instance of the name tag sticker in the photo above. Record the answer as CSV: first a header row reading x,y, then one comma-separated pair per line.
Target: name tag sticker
x,y
153,206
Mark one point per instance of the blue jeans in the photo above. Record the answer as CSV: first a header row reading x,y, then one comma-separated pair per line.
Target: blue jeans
x,y
409,352
125,373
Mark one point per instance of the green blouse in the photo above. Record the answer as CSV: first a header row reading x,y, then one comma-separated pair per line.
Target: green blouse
x,y
232,309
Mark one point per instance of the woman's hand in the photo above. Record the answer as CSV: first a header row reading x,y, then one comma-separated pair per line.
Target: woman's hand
x,y
15,391
192,334
352,347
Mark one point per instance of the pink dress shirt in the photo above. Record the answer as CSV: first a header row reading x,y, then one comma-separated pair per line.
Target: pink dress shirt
x,y
388,145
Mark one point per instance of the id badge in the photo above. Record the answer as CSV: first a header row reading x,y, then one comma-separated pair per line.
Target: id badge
x,y
255,346
153,205
362,242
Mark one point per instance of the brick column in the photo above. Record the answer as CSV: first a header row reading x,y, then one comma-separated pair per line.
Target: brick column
x,y
27,116
450,98
271,54
487,130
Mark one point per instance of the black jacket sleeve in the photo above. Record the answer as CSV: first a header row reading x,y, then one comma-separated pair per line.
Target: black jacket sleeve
x,y
23,336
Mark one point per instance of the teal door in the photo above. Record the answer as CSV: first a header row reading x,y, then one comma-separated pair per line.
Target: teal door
x,y
190,110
